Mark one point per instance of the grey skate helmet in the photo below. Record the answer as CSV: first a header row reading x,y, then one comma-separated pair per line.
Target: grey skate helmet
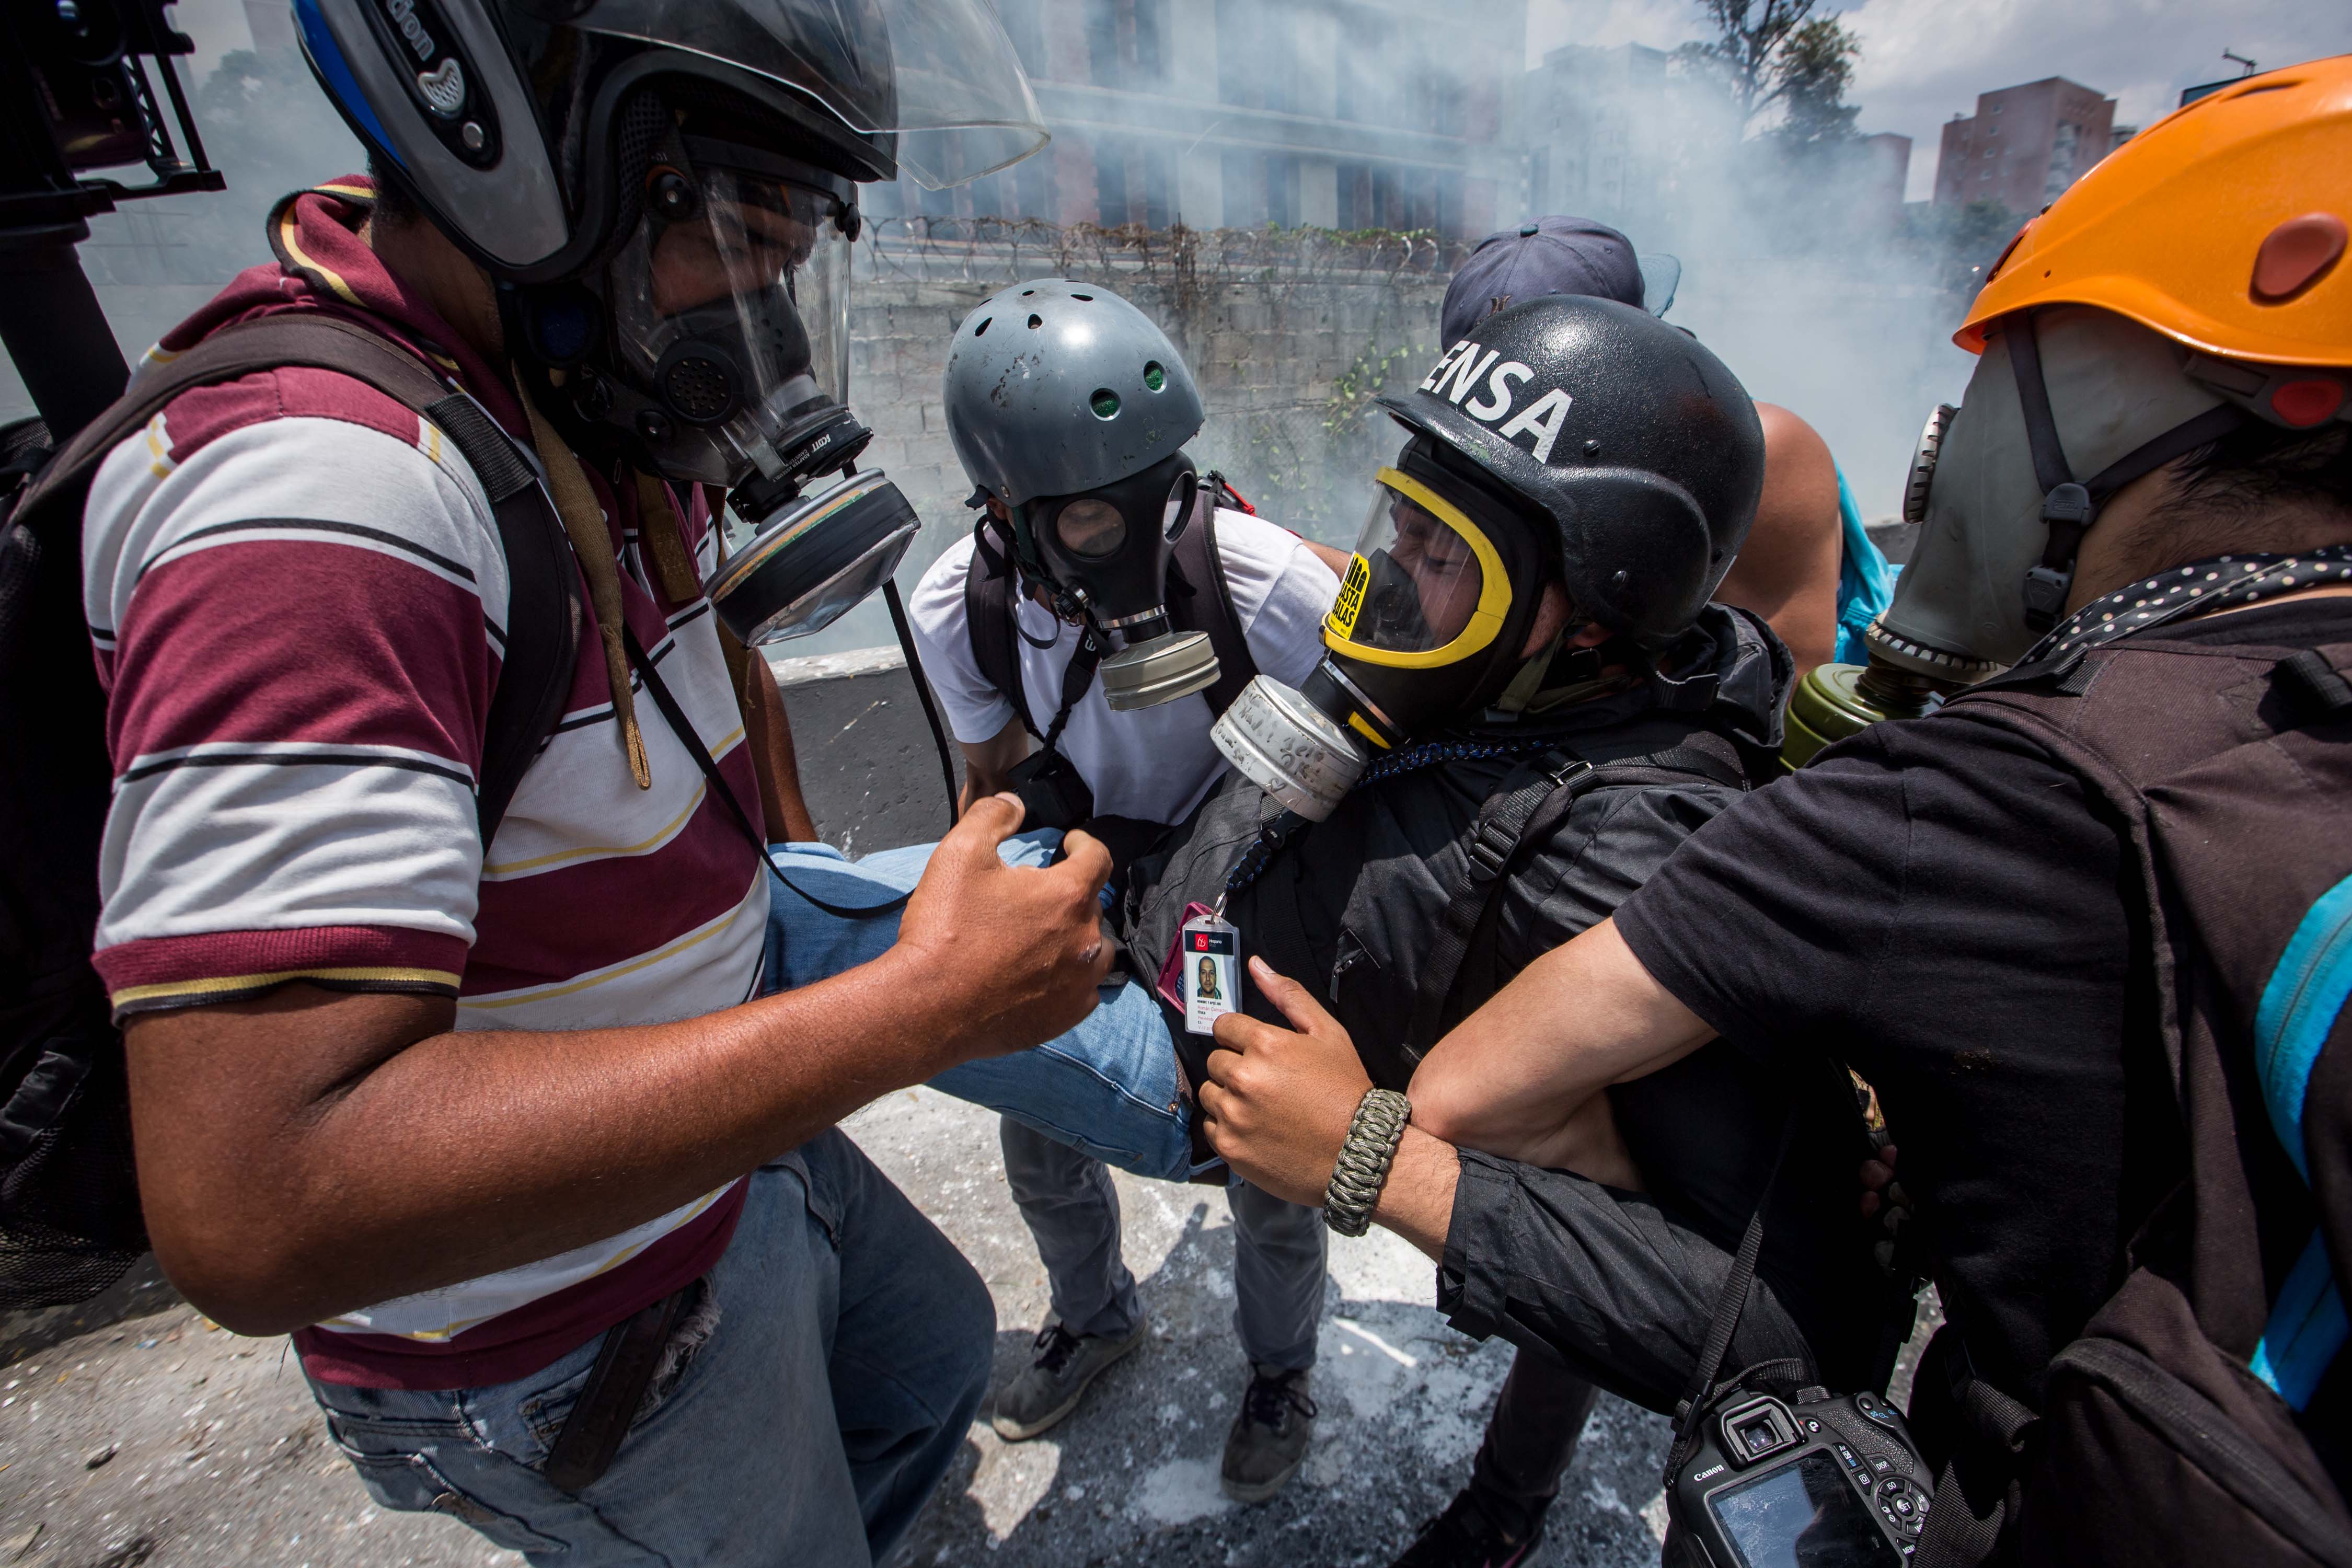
x,y
1069,408
1055,388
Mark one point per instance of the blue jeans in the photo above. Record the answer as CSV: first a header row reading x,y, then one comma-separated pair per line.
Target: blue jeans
x,y
1106,1089
834,1362
1104,1093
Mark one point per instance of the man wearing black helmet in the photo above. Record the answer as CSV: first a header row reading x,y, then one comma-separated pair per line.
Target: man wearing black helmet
x,y
1807,567
1528,703
433,914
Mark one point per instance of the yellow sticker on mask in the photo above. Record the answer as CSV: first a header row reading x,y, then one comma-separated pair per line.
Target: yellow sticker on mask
x,y
1351,602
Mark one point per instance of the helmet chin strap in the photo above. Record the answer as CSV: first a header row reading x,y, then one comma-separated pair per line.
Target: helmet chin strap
x,y
2068,506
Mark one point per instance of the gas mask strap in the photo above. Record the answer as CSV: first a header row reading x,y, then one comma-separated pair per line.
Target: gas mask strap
x,y
2066,506
2177,442
2070,507
2050,470
1077,676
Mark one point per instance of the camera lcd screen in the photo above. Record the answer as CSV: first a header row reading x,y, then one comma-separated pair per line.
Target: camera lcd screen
x,y
1805,1515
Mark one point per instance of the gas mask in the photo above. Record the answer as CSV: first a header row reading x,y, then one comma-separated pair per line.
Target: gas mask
x,y
1429,624
1102,558
2061,393
712,347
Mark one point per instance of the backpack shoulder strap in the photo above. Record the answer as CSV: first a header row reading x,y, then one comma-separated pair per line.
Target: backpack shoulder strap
x,y
543,610
1531,800
1209,608
314,338
541,635
989,584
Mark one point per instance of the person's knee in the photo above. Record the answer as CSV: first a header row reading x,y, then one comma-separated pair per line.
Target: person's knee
x,y
969,1323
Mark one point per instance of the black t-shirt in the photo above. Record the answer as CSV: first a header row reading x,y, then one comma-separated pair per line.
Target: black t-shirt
x,y
1938,903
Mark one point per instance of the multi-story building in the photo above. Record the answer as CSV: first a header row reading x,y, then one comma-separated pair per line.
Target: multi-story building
x,y
2025,145
1341,114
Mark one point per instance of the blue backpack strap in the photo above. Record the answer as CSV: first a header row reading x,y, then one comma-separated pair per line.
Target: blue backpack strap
x,y
2306,991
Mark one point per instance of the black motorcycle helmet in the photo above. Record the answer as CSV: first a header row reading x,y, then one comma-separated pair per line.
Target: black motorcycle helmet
x,y
1639,446
665,192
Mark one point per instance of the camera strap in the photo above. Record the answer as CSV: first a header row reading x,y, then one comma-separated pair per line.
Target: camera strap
x,y
683,728
1728,1305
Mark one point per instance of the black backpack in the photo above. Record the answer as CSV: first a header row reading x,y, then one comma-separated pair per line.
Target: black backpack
x,y
70,1216
2172,1430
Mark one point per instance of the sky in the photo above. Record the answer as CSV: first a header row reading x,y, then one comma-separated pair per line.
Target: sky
x,y
1925,60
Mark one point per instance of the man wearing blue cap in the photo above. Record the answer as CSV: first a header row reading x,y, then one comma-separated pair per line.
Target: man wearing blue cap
x,y
1809,569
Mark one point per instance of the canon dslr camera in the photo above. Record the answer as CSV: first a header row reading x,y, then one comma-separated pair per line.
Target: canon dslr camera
x,y
1814,1481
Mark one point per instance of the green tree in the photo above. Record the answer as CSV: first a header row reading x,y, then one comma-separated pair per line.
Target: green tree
x,y
1811,75
1747,41
1768,52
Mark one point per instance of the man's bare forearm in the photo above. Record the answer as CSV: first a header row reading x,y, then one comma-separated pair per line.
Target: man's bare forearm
x,y
462,1153
987,764
309,1152
781,801
1511,1078
1418,1200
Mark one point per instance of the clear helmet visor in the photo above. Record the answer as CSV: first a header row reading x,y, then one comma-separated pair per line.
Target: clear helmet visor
x,y
940,76
731,299
1424,580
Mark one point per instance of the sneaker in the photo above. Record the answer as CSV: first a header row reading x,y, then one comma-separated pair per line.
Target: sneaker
x,y
1057,1377
1269,1439
1477,1530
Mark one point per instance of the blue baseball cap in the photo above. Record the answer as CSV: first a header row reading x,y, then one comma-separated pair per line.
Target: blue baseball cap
x,y
1555,255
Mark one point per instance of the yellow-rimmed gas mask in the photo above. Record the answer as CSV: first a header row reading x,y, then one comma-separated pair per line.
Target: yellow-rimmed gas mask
x,y
1427,588
1428,625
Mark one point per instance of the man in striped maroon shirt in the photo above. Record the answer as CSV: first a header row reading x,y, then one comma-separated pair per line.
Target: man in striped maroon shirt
x,y
446,1113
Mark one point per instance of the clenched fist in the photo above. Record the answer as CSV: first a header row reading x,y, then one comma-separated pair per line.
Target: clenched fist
x,y
1017,950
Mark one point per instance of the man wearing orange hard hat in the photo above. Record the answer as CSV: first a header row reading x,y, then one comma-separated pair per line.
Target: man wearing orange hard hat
x,y
2085,921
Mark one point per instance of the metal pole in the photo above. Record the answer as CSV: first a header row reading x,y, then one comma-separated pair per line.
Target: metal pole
x,y
53,329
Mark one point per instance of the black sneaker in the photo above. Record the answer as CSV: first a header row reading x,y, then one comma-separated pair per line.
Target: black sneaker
x,y
1477,1530
1269,1437
1050,1387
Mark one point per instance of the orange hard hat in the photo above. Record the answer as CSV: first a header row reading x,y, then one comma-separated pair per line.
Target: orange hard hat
x,y
2224,225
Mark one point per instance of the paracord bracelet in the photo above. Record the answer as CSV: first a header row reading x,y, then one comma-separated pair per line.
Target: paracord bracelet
x,y
1362,1168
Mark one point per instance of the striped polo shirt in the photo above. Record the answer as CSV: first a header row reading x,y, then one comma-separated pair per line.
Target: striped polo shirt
x,y
296,595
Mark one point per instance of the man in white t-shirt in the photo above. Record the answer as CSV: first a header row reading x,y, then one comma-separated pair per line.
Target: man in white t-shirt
x,y
1154,763
1071,422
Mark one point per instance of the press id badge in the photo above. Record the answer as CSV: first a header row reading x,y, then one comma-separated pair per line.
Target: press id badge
x,y
1210,952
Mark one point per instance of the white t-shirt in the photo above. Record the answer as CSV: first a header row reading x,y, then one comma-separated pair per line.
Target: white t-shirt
x,y
1153,763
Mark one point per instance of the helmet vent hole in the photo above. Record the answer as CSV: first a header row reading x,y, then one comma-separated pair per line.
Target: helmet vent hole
x,y
1104,403
1089,299
1154,376
1036,322
1027,292
982,330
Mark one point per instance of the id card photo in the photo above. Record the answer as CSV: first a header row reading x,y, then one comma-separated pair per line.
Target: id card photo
x,y
1212,975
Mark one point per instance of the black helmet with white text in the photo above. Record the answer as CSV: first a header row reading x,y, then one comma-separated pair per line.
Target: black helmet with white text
x,y
1640,446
